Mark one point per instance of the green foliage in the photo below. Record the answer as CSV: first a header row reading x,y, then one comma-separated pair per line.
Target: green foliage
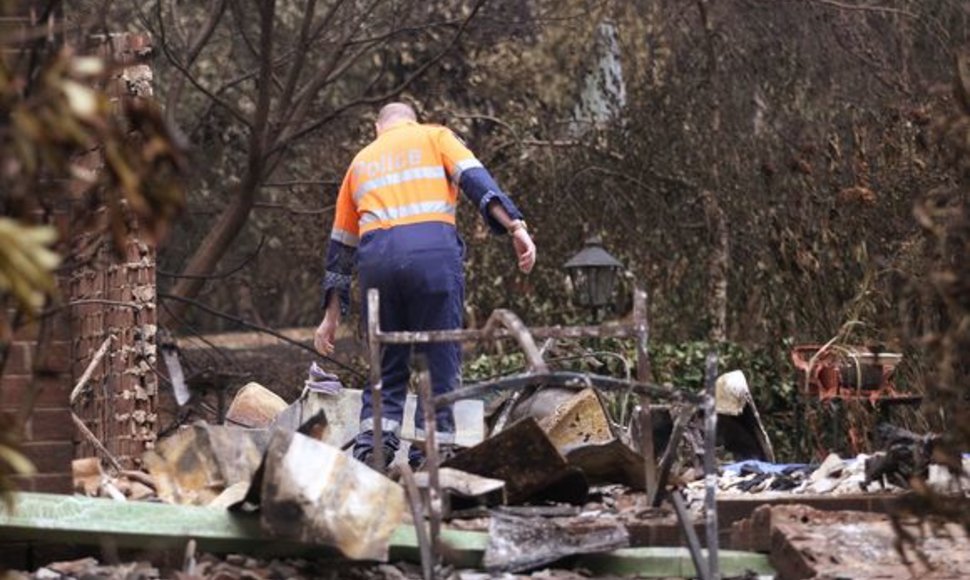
x,y
771,380
485,366
771,377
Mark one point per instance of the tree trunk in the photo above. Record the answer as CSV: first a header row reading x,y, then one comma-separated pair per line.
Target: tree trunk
x,y
717,268
215,244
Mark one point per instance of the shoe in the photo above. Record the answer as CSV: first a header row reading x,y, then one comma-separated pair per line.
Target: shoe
x,y
367,456
417,459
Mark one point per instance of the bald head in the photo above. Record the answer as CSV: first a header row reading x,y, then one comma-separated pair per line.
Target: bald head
x,y
392,113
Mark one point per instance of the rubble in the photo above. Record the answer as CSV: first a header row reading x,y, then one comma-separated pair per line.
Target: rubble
x,y
465,490
196,464
905,455
292,466
807,543
94,521
90,568
343,415
518,543
834,476
582,432
739,424
321,381
754,476
526,460
313,493
254,406
221,568
91,480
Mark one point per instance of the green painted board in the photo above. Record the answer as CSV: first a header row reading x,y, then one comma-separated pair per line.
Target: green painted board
x,y
145,525
83,520
669,562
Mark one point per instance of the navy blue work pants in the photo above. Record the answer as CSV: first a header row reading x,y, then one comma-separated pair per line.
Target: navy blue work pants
x,y
418,270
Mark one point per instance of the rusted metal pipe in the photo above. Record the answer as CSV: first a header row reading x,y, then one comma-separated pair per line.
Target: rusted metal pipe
x,y
514,325
570,379
610,330
431,454
710,466
641,331
670,454
646,447
693,542
641,334
425,548
374,345
533,356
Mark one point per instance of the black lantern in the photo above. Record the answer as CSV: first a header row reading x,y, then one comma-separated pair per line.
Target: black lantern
x,y
593,274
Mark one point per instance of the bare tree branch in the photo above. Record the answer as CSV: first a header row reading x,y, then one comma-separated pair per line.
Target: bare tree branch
x,y
302,48
294,210
301,105
220,275
866,8
240,321
216,9
163,42
230,222
284,142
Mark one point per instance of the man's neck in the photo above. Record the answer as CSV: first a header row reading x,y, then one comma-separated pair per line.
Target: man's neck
x,y
394,124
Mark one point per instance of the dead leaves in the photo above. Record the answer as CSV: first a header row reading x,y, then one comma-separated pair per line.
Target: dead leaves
x,y
65,127
26,263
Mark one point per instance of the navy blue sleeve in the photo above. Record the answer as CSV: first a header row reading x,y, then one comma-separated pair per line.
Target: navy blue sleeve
x,y
339,272
478,186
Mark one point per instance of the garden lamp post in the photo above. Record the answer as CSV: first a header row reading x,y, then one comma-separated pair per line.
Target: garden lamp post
x,y
593,273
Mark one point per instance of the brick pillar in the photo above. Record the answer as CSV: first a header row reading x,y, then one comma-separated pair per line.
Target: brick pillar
x,y
115,296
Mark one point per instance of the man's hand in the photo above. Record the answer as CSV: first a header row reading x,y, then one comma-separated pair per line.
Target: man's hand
x,y
525,249
325,336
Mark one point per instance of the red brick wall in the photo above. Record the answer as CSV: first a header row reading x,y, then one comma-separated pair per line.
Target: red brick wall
x,y
48,432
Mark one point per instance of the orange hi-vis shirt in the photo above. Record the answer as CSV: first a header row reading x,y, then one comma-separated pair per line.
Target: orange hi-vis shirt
x,y
409,174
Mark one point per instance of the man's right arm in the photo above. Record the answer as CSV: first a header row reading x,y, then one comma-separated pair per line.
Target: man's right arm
x,y
341,255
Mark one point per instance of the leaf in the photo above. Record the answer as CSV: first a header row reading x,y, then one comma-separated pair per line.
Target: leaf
x,y
26,264
17,461
82,100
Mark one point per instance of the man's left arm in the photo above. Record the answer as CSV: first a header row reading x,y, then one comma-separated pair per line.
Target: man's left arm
x,y
475,182
478,185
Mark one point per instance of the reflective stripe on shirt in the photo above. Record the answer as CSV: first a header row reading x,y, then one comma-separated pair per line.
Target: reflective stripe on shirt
x,y
461,166
344,237
424,172
391,214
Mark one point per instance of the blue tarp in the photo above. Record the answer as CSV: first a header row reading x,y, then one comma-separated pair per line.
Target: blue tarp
x,y
753,465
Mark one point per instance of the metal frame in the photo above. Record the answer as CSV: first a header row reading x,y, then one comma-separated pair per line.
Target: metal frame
x,y
504,324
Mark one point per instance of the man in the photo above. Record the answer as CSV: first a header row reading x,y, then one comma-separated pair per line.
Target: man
x,y
395,219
